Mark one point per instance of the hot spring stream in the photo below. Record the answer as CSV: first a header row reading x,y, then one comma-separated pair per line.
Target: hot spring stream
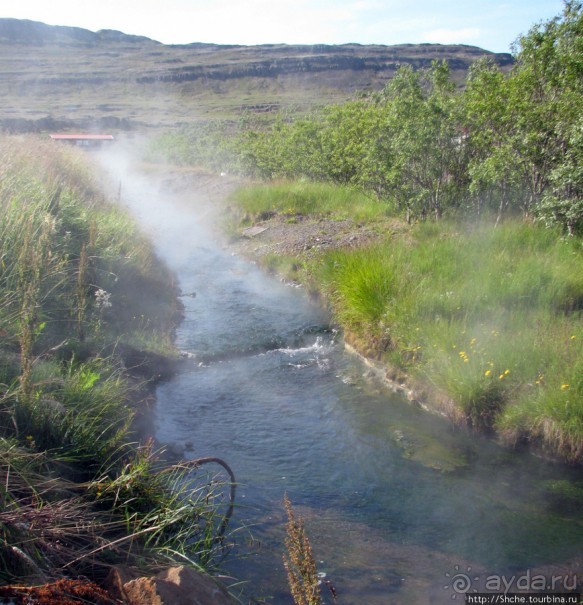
x,y
400,507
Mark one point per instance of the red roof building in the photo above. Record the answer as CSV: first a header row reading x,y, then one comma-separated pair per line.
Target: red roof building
x,y
83,140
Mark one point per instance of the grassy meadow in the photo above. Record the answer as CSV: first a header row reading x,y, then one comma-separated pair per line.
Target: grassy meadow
x,y
79,494
319,200
487,319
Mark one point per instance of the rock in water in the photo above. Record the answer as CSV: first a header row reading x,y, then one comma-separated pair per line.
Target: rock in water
x,y
174,586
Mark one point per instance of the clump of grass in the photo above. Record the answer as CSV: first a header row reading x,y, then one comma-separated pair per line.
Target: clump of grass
x,y
306,198
134,510
41,520
548,411
170,513
79,413
361,286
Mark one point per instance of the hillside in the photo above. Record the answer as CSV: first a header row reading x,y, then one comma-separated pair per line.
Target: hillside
x,y
58,77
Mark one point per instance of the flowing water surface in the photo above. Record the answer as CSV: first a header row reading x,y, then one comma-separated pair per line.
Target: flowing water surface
x,y
400,507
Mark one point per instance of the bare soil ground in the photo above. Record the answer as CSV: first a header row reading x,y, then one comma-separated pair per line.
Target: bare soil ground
x,y
299,236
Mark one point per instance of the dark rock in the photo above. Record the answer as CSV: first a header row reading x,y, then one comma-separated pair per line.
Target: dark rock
x,y
176,450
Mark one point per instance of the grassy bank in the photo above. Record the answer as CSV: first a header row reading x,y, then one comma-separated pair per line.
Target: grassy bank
x,y
78,495
487,318
309,198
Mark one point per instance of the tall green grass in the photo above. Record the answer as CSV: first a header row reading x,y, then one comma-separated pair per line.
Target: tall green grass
x,y
492,317
63,248
302,198
77,494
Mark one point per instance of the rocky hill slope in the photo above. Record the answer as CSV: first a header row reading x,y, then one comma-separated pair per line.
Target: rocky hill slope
x,y
54,76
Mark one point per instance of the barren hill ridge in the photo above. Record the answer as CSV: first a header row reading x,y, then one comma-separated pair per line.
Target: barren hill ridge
x,y
69,75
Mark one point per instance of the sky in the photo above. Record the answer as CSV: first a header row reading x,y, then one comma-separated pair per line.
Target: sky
x,y
490,24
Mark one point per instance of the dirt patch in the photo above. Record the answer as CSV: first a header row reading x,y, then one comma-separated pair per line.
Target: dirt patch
x,y
307,236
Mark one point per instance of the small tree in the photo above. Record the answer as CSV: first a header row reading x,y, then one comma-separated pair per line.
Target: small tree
x,y
563,203
425,140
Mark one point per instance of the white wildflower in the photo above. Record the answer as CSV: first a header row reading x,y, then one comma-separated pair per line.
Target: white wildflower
x,y
102,299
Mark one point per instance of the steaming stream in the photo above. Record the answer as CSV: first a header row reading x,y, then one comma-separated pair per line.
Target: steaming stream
x,y
400,508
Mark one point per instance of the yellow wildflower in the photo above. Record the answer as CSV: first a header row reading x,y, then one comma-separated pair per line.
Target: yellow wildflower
x,y
564,387
488,373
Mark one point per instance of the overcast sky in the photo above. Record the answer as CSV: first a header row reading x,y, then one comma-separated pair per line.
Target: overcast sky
x,y
490,24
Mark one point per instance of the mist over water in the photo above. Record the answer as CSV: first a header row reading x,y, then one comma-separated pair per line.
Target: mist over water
x,y
396,501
